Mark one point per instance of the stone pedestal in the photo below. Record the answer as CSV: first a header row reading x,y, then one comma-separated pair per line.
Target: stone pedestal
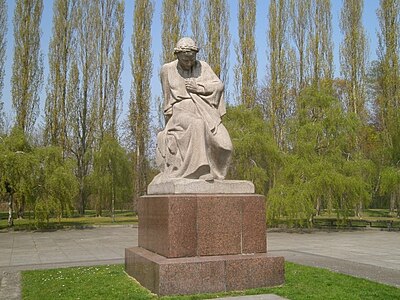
x,y
201,243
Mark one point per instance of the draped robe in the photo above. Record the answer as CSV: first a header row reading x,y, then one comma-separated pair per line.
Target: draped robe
x,y
194,142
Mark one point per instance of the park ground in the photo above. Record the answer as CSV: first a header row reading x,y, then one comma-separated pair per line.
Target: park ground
x,y
370,254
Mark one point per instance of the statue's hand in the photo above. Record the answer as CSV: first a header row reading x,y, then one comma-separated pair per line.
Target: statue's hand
x,y
193,87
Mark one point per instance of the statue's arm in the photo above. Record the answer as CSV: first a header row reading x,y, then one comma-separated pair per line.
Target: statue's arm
x,y
166,93
212,87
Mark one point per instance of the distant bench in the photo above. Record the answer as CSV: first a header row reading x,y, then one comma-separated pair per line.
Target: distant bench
x,y
359,223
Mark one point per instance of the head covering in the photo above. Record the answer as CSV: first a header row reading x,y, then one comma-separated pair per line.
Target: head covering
x,y
185,44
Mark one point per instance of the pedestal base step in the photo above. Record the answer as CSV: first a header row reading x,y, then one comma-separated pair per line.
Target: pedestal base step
x,y
203,274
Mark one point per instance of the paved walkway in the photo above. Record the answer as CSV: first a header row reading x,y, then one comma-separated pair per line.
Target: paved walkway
x,y
369,254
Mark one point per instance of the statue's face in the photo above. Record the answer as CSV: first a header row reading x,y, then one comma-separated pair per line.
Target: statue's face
x,y
186,59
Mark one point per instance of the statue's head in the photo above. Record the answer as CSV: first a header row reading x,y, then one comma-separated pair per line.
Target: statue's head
x,y
186,51
186,44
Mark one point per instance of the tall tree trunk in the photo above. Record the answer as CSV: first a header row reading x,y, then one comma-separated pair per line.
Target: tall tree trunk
x,y
10,210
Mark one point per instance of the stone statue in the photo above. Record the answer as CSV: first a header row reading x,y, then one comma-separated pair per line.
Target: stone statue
x,y
194,143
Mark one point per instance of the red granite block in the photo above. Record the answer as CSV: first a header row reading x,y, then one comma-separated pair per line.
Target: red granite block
x,y
155,230
254,238
254,271
167,225
190,225
191,276
219,225
182,236
172,276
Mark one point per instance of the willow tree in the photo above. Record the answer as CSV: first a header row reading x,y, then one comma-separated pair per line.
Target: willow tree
x,y
388,98
320,45
110,38
353,56
278,101
141,68
27,69
316,174
173,26
3,31
218,37
61,48
246,69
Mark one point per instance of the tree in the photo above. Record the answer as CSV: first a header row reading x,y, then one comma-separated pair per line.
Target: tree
x,y
174,25
3,31
320,43
299,24
256,156
141,67
246,69
111,179
317,173
197,26
62,45
83,94
218,38
17,169
55,184
353,62
388,92
27,75
353,56
277,100
111,35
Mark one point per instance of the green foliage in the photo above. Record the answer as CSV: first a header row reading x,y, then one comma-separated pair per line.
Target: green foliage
x,y
111,179
37,177
17,167
56,184
319,172
27,70
256,156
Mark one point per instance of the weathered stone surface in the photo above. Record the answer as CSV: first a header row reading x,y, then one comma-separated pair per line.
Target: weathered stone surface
x,y
194,143
196,225
198,186
205,274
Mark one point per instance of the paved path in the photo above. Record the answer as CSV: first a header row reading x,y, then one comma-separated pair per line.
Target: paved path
x,y
370,254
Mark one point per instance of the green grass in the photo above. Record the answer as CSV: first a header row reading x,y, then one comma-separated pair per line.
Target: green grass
x,y
89,219
110,282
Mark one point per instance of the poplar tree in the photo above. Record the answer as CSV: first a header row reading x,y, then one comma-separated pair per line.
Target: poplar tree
x,y
388,98
3,31
218,37
83,89
246,69
320,43
141,68
197,26
353,56
173,26
62,45
27,69
110,39
299,24
278,101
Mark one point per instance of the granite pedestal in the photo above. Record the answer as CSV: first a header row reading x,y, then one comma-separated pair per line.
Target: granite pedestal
x,y
201,243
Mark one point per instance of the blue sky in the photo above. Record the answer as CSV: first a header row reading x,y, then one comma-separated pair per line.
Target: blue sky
x,y
369,19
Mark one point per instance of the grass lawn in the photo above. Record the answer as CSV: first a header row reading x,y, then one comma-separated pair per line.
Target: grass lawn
x,y
110,282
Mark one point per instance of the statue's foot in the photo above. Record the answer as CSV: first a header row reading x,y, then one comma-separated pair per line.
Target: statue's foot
x,y
207,177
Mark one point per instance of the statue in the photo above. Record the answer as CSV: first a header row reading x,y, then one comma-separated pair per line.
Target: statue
x,y
194,143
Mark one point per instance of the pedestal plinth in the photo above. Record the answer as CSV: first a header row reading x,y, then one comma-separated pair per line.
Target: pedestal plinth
x,y
200,243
